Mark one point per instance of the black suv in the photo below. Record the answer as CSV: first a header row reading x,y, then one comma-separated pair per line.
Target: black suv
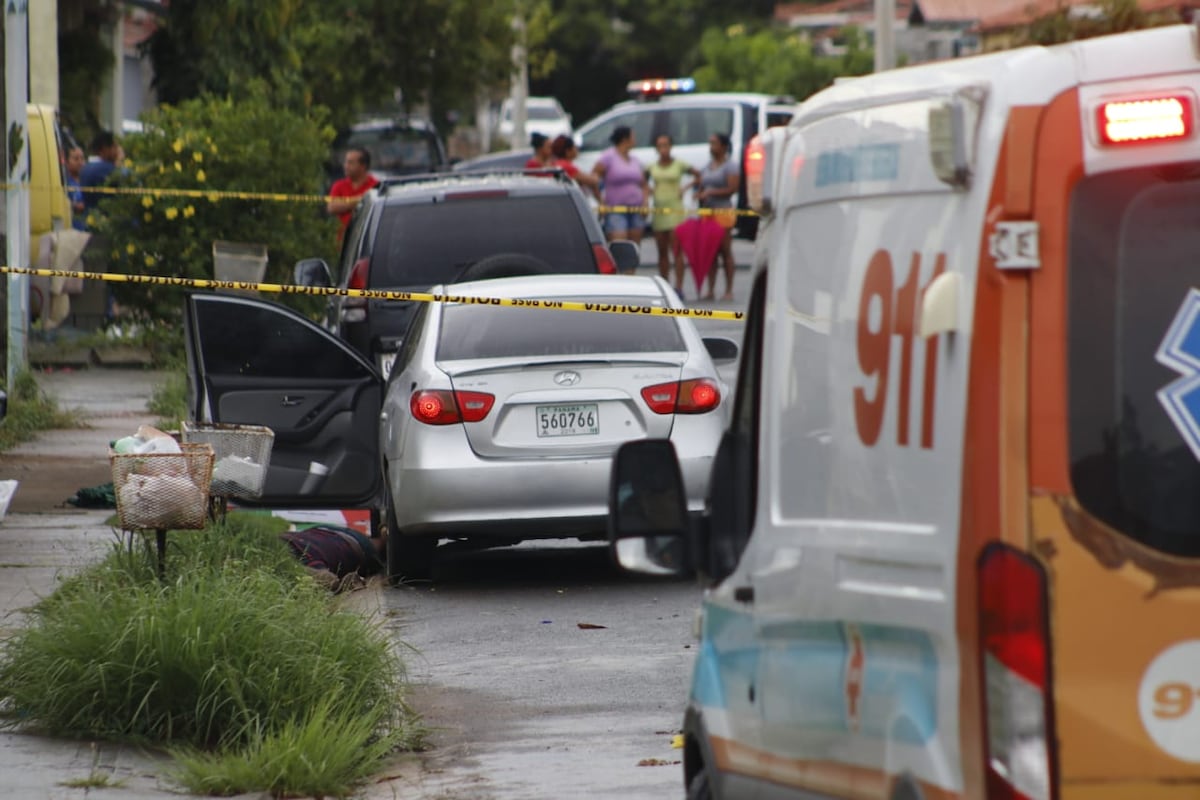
x,y
409,234
398,146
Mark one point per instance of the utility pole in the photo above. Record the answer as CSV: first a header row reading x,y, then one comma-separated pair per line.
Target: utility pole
x,y
16,193
520,83
885,35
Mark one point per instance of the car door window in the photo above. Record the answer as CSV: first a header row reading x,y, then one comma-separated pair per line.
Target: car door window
x,y
641,122
695,125
285,345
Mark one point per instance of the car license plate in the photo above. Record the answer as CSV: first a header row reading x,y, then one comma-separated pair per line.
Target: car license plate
x,y
581,419
385,364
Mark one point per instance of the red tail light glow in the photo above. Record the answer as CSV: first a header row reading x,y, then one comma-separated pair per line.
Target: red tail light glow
x,y
696,396
358,280
1151,119
605,264
1014,641
442,407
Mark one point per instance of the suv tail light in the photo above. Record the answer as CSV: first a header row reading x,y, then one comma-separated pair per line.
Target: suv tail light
x,y
355,308
605,264
696,396
443,407
1015,654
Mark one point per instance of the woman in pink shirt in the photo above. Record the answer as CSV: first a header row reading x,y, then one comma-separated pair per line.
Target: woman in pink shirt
x,y
624,187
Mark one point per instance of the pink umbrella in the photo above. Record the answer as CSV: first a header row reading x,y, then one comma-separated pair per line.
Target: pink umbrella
x,y
700,239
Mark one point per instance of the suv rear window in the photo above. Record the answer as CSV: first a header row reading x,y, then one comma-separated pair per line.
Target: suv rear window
x,y
1134,353
420,244
394,151
478,331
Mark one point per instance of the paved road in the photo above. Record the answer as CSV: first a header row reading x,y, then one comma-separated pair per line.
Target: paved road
x,y
524,704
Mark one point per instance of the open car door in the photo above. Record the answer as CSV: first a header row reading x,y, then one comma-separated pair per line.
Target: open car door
x,y
252,362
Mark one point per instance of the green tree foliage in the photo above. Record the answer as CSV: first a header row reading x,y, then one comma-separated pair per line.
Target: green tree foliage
x,y
245,145
344,55
774,61
600,47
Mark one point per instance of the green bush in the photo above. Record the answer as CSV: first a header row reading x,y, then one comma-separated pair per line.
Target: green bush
x,y
208,144
237,661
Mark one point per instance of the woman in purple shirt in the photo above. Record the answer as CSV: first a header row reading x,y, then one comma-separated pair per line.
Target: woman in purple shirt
x,y
624,186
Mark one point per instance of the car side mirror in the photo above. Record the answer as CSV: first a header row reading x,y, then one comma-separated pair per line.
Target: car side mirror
x,y
648,522
720,349
626,254
312,272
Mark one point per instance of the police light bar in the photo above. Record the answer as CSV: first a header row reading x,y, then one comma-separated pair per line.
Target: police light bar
x,y
654,87
1145,120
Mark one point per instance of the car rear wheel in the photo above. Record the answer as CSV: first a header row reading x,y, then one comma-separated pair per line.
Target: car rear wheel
x,y
505,265
408,557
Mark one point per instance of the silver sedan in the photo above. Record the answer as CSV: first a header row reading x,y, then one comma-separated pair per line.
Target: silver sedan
x,y
499,423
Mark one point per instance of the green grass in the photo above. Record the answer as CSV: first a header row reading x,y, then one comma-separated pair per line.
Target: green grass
x,y
31,410
96,780
169,400
237,660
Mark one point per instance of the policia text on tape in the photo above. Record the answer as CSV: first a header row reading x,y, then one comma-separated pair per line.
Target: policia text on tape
x,y
382,294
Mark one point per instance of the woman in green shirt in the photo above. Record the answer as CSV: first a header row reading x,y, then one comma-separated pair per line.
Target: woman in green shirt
x,y
666,178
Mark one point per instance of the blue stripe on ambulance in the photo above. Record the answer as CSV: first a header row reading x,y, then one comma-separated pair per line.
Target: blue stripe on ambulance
x,y
805,665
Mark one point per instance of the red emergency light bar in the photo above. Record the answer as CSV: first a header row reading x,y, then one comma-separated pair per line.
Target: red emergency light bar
x,y
1146,120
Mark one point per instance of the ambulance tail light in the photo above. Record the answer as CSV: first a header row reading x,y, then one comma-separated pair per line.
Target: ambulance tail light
x,y
1146,120
354,309
761,158
1018,699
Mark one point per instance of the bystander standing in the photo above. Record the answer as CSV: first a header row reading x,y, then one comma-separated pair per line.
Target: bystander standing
x,y
347,192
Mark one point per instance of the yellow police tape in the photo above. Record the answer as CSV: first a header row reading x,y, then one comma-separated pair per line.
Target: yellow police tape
x,y
214,195
382,294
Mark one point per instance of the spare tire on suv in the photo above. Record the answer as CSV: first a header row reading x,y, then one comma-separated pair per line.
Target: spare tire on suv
x,y
505,265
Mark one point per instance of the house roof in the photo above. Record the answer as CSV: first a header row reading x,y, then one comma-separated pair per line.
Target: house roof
x,y
963,10
851,9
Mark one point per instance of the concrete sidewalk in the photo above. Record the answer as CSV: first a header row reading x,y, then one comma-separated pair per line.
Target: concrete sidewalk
x,y
40,545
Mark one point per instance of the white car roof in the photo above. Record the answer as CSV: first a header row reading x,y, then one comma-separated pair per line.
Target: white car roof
x,y
535,286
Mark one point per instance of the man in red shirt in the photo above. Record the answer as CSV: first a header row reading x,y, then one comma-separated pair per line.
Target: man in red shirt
x,y
345,193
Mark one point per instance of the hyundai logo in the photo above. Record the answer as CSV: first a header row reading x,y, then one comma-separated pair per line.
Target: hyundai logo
x,y
567,378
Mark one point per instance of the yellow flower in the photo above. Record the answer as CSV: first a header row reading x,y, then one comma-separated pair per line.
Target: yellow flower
x,y
172,212
178,167
91,220
212,148
161,169
200,176
147,201
129,248
149,260
198,156
128,163
177,145
188,211
147,216
212,197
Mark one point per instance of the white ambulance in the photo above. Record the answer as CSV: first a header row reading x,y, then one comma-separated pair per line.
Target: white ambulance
x,y
953,533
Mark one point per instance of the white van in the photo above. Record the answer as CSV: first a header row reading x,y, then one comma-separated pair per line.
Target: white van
x,y
689,118
953,538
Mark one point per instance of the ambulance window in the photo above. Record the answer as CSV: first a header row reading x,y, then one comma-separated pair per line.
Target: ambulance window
x,y
1134,353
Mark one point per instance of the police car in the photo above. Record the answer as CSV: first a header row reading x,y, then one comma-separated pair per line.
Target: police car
x,y
672,106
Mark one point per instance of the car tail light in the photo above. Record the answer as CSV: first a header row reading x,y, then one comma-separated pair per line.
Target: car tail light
x,y
442,407
696,396
756,161
605,264
1015,653
357,280
1145,120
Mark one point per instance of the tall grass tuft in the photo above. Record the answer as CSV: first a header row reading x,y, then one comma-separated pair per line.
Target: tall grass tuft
x,y
237,652
31,410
